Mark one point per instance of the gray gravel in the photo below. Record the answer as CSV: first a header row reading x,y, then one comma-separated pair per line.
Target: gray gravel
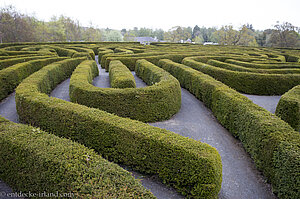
x,y
267,102
8,108
7,193
240,176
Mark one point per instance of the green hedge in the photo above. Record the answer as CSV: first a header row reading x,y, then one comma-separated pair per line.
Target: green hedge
x,y
192,167
83,50
288,108
101,52
130,61
12,76
122,50
103,63
9,62
120,76
277,65
159,101
234,67
272,143
37,162
246,82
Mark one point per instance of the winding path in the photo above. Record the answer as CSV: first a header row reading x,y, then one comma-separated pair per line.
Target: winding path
x,y
240,177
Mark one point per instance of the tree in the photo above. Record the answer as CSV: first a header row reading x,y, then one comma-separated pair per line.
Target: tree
x,y
196,32
15,27
178,34
159,34
112,35
227,36
247,36
284,35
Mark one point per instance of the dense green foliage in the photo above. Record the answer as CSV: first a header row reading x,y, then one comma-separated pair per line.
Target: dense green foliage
x,y
159,101
12,76
120,76
192,167
273,145
288,108
37,162
248,82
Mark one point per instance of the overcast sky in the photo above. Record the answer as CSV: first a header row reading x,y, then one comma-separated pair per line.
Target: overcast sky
x,y
165,14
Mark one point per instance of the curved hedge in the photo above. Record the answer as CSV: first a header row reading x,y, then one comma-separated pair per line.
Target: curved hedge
x,y
288,108
9,62
278,65
272,143
35,161
12,76
248,82
120,76
192,167
234,67
159,101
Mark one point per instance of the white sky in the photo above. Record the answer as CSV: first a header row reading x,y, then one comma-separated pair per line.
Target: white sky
x,y
118,14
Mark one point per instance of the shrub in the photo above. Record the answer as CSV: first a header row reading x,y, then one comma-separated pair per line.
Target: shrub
x,y
246,82
37,162
288,108
272,143
277,65
159,101
11,77
120,76
192,167
9,62
234,67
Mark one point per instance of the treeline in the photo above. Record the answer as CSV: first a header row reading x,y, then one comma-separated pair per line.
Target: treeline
x,y
17,27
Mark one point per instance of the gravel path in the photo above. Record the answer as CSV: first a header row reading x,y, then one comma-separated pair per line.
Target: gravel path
x,y
240,177
267,102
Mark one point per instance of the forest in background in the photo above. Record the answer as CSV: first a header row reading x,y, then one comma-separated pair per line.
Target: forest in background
x,y
18,27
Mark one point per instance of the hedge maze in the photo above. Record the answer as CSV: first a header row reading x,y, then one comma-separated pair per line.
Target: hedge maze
x,y
66,146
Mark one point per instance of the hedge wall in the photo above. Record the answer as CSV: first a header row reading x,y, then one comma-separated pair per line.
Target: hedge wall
x,y
234,67
37,162
272,143
120,76
288,108
192,167
264,66
12,76
159,101
9,62
246,82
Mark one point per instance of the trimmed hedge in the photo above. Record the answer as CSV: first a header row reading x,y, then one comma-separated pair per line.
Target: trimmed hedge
x,y
277,65
37,162
272,143
120,76
101,52
12,76
9,62
130,61
192,167
159,101
246,82
288,108
122,50
234,67
83,50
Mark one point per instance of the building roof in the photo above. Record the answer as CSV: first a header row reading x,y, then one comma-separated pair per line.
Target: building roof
x,y
145,39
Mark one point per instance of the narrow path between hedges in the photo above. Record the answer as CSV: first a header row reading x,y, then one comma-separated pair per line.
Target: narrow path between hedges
x,y
194,120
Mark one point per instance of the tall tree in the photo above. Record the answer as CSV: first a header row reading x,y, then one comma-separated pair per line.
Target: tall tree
x,y
284,35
